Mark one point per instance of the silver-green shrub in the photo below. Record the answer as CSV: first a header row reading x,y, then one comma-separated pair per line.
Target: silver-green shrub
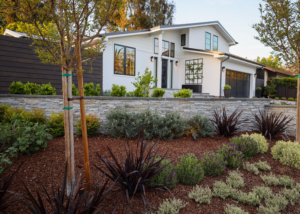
x,y
251,168
268,210
263,145
251,198
297,187
171,206
292,195
276,200
271,179
202,126
263,165
222,190
286,181
235,180
231,209
201,195
262,192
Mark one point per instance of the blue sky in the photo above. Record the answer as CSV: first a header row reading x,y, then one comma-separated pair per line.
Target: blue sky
x,y
237,16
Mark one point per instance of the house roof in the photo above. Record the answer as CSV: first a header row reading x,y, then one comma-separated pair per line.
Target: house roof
x,y
278,71
14,33
216,24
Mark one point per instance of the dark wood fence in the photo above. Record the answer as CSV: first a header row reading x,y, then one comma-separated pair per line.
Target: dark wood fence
x,y
18,62
284,91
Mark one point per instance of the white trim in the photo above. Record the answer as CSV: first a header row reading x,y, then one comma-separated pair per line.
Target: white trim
x,y
13,33
248,63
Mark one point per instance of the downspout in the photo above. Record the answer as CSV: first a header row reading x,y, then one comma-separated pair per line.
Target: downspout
x,y
221,74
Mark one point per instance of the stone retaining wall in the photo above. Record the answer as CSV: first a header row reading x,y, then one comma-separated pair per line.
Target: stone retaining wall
x,y
187,107
287,110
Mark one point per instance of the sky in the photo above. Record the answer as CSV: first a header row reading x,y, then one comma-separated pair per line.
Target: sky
x,y
236,16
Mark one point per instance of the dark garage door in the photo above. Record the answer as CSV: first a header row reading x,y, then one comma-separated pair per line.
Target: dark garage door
x,y
239,82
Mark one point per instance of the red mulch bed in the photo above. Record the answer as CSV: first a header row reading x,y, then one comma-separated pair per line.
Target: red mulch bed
x,y
39,165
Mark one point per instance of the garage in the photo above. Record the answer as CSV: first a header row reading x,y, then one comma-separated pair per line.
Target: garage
x,y
239,82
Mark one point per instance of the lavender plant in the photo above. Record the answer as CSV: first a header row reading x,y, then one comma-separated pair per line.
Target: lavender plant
x,y
189,170
213,163
232,154
247,145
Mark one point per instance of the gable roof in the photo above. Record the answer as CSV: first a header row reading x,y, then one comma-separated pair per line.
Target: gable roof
x,y
278,71
216,24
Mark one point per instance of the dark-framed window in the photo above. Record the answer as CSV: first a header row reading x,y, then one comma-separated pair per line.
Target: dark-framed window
x,y
156,45
165,48
172,50
183,39
207,41
215,43
124,60
155,70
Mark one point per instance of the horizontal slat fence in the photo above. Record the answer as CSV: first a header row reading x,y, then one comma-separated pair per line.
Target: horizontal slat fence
x,y
284,91
18,62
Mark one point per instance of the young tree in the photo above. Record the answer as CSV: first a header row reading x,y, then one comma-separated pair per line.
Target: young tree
x,y
279,29
271,61
78,24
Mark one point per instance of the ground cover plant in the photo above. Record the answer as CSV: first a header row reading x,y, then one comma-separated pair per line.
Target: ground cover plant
x,y
201,195
171,206
92,125
231,209
226,125
222,190
213,163
251,168
261,141
292,195
247,145
189,170
262,165
262,192
235,180
232,155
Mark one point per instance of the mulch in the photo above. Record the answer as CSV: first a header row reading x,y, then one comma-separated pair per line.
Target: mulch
x,y
51,160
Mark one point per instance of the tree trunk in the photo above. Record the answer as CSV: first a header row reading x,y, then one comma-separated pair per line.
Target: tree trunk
x,y
83,116
298,111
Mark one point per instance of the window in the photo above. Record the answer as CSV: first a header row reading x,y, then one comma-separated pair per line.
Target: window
x,y
165,48
207,41
155,45
194,71
173,50
215,43
155,70
171,75
124,60
183,38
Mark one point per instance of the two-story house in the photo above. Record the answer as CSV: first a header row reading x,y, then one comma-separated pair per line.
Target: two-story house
x,y
168,50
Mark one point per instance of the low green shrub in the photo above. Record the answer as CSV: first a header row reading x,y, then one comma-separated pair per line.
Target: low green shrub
x,y
297,187
271,179
56,124
118,91
231,209
232,155
288,153
258,89
222,190
292,195
276,98
247,145
130,94
106,93
263,165
3,108
201,126
32,88
283,98
213,163
171,206
201,195
16,88
291,99
172,125
167,177
286,181
90,90
227,87
261,141
35,116
183,93
235,180
10,113
251,168
189,170
262,192
47,89
250,199
92,125
276,200
268,210
138,92
75,91
158,92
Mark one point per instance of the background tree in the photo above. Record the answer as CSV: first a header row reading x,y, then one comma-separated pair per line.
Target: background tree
x,y
271,61
77,25
142,14
279,29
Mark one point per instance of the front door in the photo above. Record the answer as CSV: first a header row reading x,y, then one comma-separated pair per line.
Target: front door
x,y
164,73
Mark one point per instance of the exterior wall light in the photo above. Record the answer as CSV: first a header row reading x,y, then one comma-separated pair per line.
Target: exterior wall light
x,y
223,69
255,75
176,63
152,58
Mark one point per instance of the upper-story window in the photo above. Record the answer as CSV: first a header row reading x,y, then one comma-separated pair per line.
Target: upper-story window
x,y
172,50
207,41
155,45
183,39
124,60
165,48
215,43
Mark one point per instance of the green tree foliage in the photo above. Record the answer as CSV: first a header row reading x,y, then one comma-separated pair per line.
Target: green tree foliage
x,y
142,14
271,61
144,82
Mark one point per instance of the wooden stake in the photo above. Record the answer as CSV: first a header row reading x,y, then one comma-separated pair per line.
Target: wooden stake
x,y
71,130
83,117
298,111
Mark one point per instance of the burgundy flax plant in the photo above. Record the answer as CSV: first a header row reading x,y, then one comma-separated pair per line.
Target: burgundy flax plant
x,y
135,171
79,201
226,125
271,124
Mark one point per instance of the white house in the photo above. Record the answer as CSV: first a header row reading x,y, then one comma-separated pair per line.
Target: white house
x,y
166,50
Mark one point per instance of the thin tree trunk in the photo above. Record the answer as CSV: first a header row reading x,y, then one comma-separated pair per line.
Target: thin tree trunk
x,y
83,116
298,111
71,130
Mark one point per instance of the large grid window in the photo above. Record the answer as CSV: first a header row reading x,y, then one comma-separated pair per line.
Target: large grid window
x,y
194,71
155,45
215,43
124,60
207,41
165,48
172,50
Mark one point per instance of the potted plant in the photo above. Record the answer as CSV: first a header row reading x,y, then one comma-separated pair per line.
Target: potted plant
x,y
227,89
258,92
